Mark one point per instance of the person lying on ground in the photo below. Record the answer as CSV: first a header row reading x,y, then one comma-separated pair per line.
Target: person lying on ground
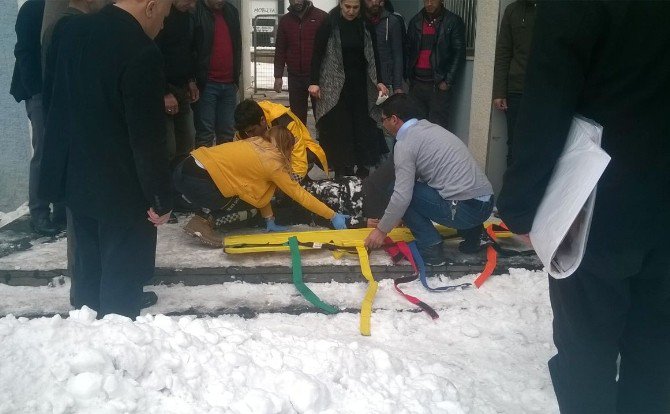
x,y
241,176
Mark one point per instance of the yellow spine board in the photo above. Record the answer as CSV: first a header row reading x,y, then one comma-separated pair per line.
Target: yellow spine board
x,y
276,242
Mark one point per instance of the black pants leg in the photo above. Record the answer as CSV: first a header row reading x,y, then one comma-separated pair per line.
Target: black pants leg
x,y
596,318
434,103
113,261
644,372
298,96
513,104
377,189
200,190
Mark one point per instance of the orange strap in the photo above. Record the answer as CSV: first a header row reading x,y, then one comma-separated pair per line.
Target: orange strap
x,y
491,260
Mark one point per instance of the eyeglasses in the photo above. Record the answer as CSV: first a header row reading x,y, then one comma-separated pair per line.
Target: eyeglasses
x,y
384,118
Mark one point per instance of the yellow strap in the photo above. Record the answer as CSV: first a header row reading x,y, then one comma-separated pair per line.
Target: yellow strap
x,y
366,305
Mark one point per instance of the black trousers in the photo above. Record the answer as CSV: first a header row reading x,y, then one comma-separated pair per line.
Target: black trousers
x,y
434,103
513,105
599,317
298,96
347,133
378,188
113,261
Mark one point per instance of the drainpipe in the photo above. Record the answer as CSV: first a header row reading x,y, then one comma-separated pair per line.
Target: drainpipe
x,y
245,22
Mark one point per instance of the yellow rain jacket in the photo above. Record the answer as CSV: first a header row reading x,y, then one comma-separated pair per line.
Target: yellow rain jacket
x,y
278,114
252,169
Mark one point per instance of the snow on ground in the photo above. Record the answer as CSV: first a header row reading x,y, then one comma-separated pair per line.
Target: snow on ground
x,y
6,218
176,249
486,354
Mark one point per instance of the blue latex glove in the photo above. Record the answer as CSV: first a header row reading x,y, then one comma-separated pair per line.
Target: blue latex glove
x,y
339,221
271,226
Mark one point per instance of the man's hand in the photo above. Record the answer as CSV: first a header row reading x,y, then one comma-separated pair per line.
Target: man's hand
x,y
375,239
500,104
171,104
314,91
398,90
383,89
193,92
443,86
279,83
156,219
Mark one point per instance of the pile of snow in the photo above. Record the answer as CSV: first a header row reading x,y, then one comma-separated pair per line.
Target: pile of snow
x,y
6,218
486,354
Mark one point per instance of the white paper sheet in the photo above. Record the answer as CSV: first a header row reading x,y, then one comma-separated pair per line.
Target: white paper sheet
x,y
561,226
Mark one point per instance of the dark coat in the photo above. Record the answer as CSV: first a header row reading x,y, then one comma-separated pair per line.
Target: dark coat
x,y
512,48
27,78
576,66
105,147
295,41
389,36
448,57
176,44
203,27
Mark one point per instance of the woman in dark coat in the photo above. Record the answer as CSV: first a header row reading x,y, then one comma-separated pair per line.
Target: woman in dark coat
x,y
344,80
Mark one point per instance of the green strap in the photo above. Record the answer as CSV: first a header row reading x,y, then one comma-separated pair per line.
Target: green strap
x,y
300,285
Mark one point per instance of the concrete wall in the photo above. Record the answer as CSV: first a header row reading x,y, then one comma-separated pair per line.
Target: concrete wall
x,y
15,148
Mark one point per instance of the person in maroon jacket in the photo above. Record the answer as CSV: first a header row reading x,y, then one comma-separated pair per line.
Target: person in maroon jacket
x,y
295,43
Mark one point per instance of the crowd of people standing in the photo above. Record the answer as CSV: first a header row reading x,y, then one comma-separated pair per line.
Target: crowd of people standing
x,y
133,102
188,52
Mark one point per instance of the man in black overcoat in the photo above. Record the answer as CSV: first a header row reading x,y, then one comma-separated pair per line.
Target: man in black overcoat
x,y
608,61
105,150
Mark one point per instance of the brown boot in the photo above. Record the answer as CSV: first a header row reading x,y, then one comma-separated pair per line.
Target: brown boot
x,y
201,228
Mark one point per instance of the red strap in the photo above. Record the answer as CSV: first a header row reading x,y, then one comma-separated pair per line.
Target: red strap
x,y
491,260
402,249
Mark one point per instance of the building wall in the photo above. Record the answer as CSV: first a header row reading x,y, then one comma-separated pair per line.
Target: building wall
x,y
15,148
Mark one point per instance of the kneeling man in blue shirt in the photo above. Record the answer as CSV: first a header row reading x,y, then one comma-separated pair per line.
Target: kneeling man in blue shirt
x,y
436,180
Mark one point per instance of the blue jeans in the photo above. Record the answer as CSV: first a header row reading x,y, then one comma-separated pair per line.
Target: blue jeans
x,y
427,205
214,114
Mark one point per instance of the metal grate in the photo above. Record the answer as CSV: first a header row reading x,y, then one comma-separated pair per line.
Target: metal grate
x,y
467,9
264,37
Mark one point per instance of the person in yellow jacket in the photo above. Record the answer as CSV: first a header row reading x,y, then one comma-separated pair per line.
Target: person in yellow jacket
x,y
242,176
254,118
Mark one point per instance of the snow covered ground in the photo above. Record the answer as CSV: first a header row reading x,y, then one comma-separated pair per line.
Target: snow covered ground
x,y
178,250
487,353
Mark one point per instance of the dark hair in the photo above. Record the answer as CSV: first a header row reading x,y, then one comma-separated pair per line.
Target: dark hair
x,y
247,114
401,105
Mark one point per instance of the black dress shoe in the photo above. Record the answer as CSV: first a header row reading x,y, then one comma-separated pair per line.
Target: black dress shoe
x,y
433,255
44,227
474,240
148,299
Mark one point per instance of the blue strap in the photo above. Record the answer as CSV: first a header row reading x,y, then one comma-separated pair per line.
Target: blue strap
x,y
422,272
